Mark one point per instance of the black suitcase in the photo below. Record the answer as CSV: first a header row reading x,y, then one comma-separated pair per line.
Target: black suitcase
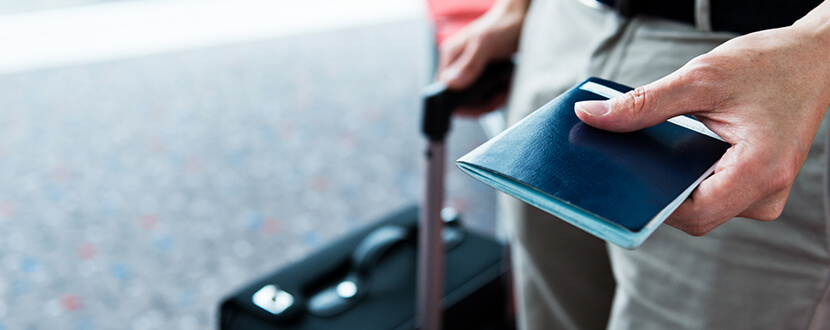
x,y
475,285
368,279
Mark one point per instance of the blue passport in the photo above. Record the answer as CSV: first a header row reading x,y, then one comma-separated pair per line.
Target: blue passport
x,y
617,186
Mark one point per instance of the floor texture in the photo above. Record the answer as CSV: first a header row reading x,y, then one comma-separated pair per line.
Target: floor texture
x,y
135,194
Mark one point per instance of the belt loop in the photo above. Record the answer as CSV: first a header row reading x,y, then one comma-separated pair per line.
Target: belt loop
x,y
703,15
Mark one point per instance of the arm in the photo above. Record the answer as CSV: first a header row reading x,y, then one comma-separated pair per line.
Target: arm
x,y
765,93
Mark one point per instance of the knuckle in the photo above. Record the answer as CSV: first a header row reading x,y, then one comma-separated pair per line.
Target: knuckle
x,y
781,179
702,75
706,69
698,230
705,222
636,100
472,67
446,51
452,44
778,183
706,73
771,211
478,40
768,216
699,225
484,35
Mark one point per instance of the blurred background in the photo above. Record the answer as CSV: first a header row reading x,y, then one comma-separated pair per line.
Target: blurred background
x,y
156,155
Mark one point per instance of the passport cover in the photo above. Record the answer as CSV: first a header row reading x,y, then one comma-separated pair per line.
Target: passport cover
x,y
617,186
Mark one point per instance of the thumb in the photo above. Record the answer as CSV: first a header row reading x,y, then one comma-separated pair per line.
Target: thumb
x,y
642,107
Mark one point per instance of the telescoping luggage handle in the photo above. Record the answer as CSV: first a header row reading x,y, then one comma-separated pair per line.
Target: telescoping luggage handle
x,y
439,104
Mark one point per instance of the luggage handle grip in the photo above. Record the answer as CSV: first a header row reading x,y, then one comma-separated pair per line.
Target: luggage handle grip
x,y
440,101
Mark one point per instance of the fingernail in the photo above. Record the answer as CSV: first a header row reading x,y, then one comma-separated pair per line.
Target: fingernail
x,y
592,108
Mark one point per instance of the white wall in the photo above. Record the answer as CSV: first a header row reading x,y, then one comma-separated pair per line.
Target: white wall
x,y
114,30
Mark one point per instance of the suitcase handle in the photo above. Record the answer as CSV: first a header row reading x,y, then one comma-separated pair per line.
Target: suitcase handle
x,y
340,297
440,101
375,245
348,292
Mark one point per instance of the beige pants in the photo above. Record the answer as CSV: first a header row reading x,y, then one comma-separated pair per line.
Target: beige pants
x,y
744,275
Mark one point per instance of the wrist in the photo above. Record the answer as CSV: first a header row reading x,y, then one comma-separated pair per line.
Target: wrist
x,y
813,31
514,8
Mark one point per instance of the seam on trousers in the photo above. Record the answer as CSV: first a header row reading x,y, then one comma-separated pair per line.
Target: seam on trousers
x,y
618,55
821,313
827,179
703,15
554,306
605,58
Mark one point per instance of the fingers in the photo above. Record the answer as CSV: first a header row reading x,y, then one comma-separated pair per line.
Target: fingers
x,y
494,35
645,106
709,206
738,188
767,209
464,63
712,203
450,49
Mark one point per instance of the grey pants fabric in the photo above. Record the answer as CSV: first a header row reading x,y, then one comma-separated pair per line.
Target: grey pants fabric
x,y
745,274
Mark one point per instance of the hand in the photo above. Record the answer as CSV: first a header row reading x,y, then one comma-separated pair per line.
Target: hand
x,y
765,93
493,36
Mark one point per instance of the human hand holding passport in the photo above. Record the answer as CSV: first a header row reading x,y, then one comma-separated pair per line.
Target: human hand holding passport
x,y
617,186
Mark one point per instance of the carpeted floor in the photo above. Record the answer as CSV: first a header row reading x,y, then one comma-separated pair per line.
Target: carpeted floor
x,y
136,194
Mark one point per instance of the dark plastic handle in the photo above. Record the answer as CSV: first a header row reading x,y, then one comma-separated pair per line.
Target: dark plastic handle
x,y
440,102
375,245
348,292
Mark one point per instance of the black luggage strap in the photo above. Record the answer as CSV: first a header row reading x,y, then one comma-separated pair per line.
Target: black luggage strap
x,y
739,16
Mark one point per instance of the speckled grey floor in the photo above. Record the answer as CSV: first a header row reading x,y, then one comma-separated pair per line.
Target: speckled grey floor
x,y
135,194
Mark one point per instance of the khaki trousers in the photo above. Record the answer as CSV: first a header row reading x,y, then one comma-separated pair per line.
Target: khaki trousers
x,y
744,275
